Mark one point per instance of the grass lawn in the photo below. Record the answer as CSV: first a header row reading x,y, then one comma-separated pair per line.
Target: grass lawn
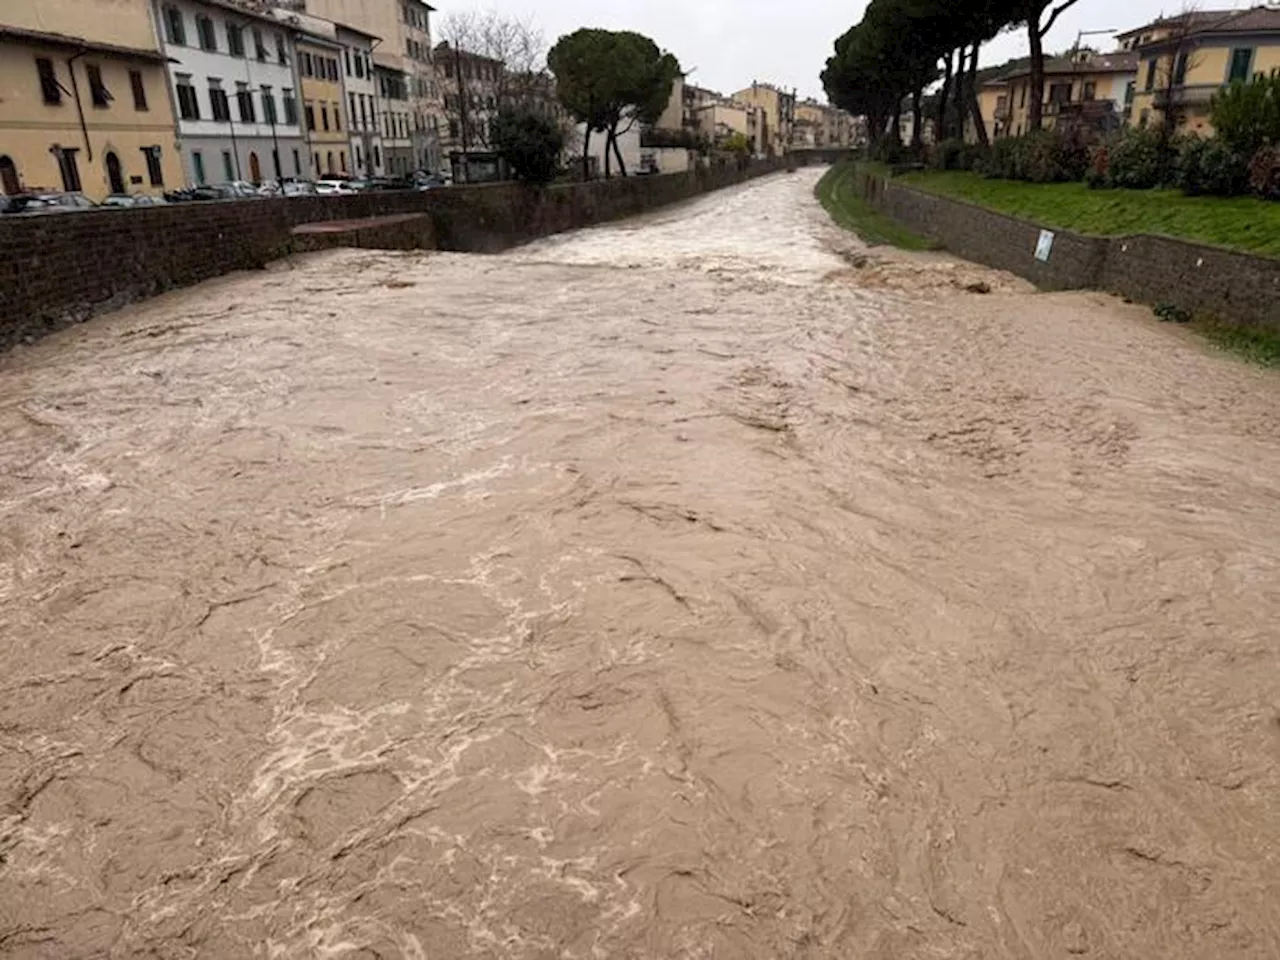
x,y
839,195
1241,223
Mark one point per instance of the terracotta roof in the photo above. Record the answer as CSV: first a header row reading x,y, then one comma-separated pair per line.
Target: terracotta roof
x,y
1254,20
1124,61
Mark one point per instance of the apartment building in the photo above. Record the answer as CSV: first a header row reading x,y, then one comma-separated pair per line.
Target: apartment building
x,y
83,100
232,78
323,103
403,65
821,125
1185,59
719,120
779,108
473,87
1095,89
362,99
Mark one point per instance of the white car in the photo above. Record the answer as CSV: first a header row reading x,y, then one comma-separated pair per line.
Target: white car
x,y
329,188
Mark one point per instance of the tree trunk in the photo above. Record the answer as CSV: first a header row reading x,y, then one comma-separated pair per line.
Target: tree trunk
x,y
896,121
586,155
622,166
608,156
975,108
1035,108
917,119
944,95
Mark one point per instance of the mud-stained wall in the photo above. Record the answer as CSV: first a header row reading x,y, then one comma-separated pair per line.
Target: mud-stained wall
x,y
59,270
1231,286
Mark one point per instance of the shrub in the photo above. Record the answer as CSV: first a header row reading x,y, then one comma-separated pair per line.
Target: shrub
x,y
1136,159
1264,173
1246,116
530,143
1043,157
1210,167
955,154
1099,167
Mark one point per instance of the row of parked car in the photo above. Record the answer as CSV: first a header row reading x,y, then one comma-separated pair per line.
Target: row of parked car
x,y
39,202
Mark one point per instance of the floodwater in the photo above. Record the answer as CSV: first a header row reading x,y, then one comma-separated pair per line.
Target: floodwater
x,y
699,587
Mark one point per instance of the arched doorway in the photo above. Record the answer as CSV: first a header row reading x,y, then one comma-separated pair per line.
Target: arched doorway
x,y
115,176
255,171
9,182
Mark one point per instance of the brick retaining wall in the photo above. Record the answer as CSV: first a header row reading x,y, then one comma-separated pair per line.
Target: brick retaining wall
x,y
61,269
1231,286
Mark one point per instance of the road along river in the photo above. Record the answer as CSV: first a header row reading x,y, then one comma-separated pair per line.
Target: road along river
x,y
700,586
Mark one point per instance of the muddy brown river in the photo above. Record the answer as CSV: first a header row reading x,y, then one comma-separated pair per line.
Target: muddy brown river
x,y
700,586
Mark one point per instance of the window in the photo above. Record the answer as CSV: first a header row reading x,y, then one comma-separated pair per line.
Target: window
x,y
342,160
377,156
197,162
359,66
324,116
1130,89
218,102
50,88
282,52
1180,70
359,157
204,27
346,60
244,100
275,164
306,64
1241,61
351,108
98,91
290,107
333,70
311,117
10,182
68,168
235,40
1090,90
269,106
154,172
139,90
364,118
297,164
228,166
188,103
259,45
1151,75
175,31
337,116
1023,97
328,162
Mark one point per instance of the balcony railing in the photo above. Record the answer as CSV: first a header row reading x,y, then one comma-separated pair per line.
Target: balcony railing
x,y
1186,96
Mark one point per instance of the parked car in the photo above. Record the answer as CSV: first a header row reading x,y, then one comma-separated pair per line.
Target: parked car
x,y
238,188
132,200
298,188
32,204
331,187
429,182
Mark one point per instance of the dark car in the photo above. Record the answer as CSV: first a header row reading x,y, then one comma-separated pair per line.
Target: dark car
x,y
33,204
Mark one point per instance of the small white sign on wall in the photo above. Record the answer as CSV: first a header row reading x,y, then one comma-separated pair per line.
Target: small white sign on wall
x,y
1044,246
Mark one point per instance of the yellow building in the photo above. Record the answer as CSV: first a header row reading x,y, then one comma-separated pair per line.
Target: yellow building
x,y
993,103
84,101
1186,59
779,114
324,121
1093,88
820,125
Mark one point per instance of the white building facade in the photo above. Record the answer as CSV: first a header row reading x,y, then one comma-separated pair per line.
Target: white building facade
x,y
368,151
235,92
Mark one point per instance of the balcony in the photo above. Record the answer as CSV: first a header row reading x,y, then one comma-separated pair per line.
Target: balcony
x,y
1196,95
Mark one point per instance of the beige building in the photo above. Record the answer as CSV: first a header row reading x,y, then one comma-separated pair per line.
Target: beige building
x,y
320,69
1091,88
406,76
84,103
820,125
779,113
1185,59
722,119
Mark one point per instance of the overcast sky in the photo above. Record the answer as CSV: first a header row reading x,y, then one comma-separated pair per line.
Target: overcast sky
x,y
729,43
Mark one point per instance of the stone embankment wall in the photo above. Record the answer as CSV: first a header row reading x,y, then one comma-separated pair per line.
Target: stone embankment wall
x,y
1230,286
58,270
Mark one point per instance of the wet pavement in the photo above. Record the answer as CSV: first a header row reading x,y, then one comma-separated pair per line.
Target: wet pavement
x,y
701,586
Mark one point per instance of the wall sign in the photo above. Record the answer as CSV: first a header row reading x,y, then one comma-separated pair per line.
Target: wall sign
x,y
1044,246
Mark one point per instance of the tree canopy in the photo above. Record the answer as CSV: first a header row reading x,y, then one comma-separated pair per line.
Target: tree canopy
x,y
608,78
901,46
